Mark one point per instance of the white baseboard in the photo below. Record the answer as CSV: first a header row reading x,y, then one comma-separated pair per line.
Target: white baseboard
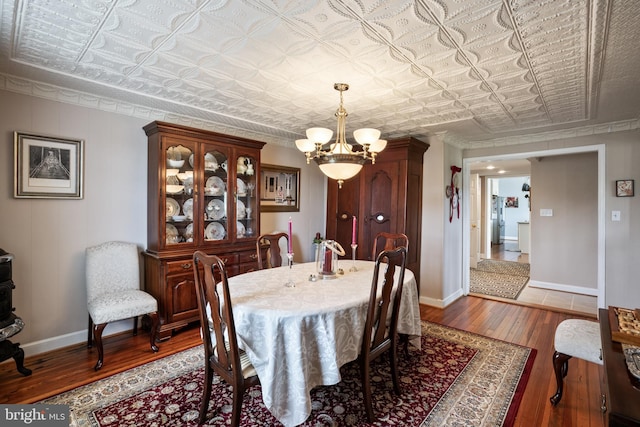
x,y
563,288
441,303
72,338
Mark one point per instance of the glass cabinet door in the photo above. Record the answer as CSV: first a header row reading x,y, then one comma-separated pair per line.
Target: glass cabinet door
x,y
179,195
246,204
216,191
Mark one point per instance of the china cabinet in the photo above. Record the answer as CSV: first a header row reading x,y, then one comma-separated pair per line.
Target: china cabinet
x,y
385,196
202,195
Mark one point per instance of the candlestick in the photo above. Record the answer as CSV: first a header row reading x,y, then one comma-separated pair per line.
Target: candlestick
x,y
290,246
353,257
290,283
353,232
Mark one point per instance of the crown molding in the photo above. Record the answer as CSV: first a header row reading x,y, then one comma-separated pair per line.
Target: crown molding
x,y
66,95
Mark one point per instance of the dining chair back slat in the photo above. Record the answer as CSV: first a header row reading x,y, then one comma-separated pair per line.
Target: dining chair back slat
x,y
380,332
387,241
273,256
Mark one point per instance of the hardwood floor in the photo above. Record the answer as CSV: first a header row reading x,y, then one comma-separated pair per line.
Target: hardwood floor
x,y
533,327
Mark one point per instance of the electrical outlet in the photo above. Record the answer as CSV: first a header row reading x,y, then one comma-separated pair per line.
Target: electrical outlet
x,y
615,215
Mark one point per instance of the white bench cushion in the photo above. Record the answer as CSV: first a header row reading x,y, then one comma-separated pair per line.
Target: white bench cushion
x,y
579,338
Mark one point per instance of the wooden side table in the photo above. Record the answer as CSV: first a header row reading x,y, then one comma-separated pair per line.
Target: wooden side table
x,y
621,405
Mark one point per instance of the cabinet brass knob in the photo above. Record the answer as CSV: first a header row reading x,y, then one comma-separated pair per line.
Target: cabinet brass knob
x,y
186,265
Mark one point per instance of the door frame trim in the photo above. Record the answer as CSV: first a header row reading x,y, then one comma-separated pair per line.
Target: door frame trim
x,y
466,222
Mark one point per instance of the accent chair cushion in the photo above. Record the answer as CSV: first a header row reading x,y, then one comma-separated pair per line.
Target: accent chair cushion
x,y
579,338
124,304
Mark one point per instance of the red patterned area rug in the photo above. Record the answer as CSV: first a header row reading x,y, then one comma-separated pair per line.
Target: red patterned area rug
x,y
457,379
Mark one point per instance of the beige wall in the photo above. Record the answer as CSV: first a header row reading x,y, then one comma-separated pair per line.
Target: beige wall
x,y
48,237
563,254
621,239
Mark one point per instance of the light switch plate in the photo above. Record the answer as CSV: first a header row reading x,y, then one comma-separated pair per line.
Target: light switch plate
x,y
546,212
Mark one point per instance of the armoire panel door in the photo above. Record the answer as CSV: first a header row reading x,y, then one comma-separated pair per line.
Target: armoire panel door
x,y
381,203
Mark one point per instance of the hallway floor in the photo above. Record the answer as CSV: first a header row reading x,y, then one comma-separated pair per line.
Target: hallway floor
x,y
564,301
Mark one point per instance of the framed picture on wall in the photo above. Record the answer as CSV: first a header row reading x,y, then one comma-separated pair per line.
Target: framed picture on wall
x,y
280,188
624,188
47,167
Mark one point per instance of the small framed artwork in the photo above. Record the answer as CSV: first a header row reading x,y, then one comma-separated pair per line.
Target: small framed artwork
x,y
47,167
624,188
511,202
280,188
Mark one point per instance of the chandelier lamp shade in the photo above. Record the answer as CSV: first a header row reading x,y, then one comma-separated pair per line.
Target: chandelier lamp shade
x,y
340,160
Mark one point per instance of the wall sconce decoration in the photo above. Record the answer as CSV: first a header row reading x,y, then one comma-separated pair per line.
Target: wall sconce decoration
x,y
453,192
527,187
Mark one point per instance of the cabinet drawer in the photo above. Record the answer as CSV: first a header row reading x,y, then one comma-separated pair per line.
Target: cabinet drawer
x,y
247,256
228,258
180,267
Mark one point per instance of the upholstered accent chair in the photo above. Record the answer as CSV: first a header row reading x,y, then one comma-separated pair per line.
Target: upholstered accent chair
x,y
380,331
273,256
113,292
222,354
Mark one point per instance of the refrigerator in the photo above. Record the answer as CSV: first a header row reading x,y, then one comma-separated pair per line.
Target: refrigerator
x,y
497,220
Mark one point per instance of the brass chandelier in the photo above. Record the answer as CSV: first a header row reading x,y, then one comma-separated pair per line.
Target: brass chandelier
x,y
341,160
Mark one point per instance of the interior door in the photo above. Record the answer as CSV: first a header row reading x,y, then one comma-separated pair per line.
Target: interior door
x,y
474,216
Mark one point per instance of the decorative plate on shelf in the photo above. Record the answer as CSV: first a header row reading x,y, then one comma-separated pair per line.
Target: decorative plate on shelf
x,y
242,188
210,162
172,234
214,186
173,208
174,189
216,209
214,231
191,160
241,212
187,208
188,233
240,229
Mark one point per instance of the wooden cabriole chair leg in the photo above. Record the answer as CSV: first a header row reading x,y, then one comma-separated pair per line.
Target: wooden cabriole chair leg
x,y
153,332
560,367
90,333
97,332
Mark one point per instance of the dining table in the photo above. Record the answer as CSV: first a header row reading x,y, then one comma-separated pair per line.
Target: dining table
x,y
297,338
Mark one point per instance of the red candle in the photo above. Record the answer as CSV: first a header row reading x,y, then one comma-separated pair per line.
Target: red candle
x,y
353,232
328,256
290,248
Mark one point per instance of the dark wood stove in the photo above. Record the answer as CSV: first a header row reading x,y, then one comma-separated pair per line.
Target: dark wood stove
x,y
10,324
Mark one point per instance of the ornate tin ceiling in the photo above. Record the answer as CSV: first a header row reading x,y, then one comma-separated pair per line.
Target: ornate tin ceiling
x,y
486,72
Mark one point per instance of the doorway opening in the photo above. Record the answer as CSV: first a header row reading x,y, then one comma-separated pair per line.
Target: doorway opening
x,y
544,296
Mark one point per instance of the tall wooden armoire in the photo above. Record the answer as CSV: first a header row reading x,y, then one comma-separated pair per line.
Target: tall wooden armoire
x,y
385,196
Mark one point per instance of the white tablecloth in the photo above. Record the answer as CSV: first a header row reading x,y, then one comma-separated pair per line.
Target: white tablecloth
x,y
298,338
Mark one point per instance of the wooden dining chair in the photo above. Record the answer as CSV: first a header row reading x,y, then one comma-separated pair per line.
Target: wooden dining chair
x,y
387,241
380,331
273,256
222,355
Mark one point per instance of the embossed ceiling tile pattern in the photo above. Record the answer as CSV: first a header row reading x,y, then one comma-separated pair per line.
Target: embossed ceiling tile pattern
x,y
479,69
556,41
